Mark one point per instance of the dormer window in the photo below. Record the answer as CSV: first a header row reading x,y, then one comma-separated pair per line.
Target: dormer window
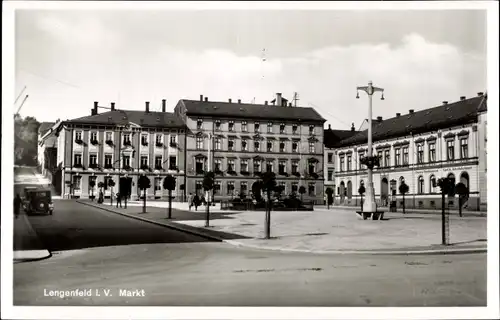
x,y
199,124
311,129
217,125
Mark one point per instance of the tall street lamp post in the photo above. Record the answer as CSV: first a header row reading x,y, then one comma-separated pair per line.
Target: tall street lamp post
x,y
369,206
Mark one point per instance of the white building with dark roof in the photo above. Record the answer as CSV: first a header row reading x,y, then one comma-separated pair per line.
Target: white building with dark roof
x,y
445,141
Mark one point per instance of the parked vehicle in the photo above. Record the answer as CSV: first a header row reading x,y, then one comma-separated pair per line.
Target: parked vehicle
x,y
38,201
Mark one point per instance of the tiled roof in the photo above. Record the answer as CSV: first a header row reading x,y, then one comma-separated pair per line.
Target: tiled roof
x,y
332,138
44,126
444,116
253,111
142,118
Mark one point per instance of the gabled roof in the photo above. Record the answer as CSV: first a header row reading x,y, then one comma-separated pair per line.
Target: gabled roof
x,y
332,138
250,111
444,116
44,127
141,118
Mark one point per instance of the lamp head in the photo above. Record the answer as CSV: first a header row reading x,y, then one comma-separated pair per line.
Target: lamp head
x,y
382,96
357,95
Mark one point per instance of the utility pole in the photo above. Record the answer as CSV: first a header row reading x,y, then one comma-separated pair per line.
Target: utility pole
x,y
295,98
22,103
20,95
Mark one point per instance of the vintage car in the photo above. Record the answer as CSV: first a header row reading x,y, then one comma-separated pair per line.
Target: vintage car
x,y
37,201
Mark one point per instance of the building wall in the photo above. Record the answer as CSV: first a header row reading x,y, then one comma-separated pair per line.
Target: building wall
x,y
441,167
237,154
483,160
135,152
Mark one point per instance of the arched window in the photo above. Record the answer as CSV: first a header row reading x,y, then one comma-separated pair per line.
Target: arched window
x,y
420,184
432,181
349,189
401,180
361,183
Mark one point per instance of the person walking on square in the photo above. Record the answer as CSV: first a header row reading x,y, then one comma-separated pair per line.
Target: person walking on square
x,y
196,202
118,199
190,201
17,205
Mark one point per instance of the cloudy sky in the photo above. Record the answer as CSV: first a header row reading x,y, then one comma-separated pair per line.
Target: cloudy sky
x,y
68,59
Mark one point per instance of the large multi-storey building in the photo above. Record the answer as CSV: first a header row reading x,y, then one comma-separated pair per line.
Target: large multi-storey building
x,y
121,143
238,141
418,148
332,139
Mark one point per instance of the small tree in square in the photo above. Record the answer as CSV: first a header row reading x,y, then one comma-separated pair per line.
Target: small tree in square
x,y
361,191
144,184
169,184
403,189
268,185
208,184
302,190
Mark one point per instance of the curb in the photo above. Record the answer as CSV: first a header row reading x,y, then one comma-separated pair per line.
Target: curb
x,y
323,252
31,255
168,225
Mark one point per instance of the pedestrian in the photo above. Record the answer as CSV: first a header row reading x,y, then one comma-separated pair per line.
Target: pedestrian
x,y
190,201
101,197
118,199
17,205
196,200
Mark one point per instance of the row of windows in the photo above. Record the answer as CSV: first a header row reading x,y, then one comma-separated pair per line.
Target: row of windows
x,y
256,126
77,182
385,156
108,161
244,188
200,165
256,145
126,138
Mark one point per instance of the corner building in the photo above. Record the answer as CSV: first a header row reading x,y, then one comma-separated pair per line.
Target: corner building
x,y
445,141
238,141
120,143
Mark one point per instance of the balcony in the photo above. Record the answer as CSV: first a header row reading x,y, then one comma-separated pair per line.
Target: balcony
x,y
78,141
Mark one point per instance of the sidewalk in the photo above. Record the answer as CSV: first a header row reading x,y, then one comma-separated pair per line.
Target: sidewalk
x,y
322,230
27,245
411,210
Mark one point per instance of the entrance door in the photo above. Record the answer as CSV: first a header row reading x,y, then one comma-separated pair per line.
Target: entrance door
x,y
384,192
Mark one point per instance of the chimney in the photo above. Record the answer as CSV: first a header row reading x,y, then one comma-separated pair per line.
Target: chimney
x,y
445,102
411,110
289,104
462,98
206,99
352,127
112,106
480,94
95,108
164,105
230,100
265,102
201,97
239,100
398,115
279,102
379,119
92,112
147,106
329,127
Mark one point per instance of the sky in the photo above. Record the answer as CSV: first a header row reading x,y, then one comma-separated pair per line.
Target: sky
x,y
67,59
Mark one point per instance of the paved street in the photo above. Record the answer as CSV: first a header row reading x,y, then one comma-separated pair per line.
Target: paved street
x,y
97,250
76,226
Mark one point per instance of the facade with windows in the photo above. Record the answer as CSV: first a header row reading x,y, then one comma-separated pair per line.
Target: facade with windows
x,y
120,143
418,148
332,138
240,141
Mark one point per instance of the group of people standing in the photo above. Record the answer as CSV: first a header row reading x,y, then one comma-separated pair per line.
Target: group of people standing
x,y
196,201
